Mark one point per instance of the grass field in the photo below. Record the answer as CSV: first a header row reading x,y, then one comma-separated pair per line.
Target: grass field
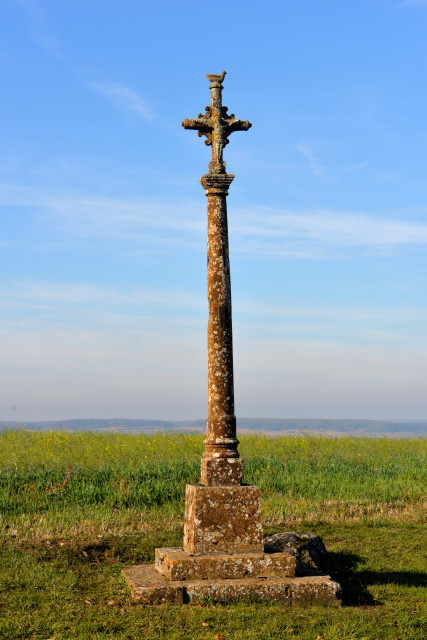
x,y
74,508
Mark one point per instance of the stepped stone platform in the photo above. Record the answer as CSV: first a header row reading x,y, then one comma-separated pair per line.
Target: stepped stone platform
x,y
224,557
177,564
150,587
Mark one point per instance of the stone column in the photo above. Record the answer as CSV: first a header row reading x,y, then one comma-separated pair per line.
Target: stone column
x,y
222,516
223,555
221,464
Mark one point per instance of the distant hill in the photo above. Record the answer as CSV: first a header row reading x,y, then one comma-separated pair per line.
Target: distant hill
x,y
271,426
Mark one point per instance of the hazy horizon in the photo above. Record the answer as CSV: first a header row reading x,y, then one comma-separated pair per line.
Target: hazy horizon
x,y
239,418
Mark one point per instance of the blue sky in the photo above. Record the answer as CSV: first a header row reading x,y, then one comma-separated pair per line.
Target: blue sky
x,y
103,219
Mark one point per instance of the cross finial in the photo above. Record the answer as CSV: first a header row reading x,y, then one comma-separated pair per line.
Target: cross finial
x,y
216,124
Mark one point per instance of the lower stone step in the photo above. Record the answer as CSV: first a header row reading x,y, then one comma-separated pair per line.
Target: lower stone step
x,y
149,587
176,564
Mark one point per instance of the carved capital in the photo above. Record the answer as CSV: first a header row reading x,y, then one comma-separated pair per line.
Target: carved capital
x,y
216,184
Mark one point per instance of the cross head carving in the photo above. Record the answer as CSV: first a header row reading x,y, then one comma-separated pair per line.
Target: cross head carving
x,y
216,124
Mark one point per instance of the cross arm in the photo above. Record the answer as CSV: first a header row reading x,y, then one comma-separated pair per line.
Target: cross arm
x,y
237,125
202,125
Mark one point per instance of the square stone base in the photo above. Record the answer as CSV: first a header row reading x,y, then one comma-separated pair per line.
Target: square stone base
x,y
177,564
219,472
149,587
220,519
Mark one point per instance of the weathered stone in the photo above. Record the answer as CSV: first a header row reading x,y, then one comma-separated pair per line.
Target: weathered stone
x,y
309,550
221,471
221,442
223,556
149,587
222,519
177,564
216,124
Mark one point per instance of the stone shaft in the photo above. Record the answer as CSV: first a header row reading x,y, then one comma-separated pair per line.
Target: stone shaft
x,y
221,441
217,129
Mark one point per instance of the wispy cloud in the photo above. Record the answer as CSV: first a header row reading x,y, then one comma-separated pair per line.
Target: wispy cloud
x,y
357,314
313,161
164,225
333,228
163,310
364,324
90,217
124,97
40,31
354,168
45,295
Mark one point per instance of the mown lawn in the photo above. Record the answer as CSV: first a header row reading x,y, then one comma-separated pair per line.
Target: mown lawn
x,y
76,507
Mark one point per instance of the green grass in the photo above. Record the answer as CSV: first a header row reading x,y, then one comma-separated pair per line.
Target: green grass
x,y
74,508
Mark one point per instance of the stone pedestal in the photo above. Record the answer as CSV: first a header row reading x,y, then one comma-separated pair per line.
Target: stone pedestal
x,y
224,558
222,519
221,471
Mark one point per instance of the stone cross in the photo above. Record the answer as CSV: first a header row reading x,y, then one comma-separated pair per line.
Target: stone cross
x,y
216,124
223,555
220,464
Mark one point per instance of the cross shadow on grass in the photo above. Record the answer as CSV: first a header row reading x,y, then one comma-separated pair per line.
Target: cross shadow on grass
x,y
342,567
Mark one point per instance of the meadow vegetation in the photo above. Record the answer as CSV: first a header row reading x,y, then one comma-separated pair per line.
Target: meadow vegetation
x,y
76,507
